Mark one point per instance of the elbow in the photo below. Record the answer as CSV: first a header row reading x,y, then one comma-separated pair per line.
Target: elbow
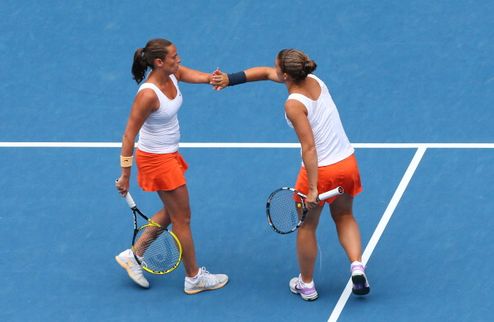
x,y
309,148
125,137
128,138
309,151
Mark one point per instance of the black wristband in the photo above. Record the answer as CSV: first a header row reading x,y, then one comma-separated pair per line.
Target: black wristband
x,y
236,78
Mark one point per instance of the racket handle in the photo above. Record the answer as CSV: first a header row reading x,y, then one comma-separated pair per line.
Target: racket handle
x,y
331,193
130,200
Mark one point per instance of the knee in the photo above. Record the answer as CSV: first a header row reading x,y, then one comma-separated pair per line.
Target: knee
x,y
181,218
342,216
308,227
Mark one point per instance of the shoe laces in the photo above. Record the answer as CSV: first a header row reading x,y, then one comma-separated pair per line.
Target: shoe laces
x,y
205,278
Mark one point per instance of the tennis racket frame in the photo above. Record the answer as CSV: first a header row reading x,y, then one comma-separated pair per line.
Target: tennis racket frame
x,y
323,196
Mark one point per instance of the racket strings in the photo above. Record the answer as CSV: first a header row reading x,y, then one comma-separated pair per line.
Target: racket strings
x,y
285,211
158,249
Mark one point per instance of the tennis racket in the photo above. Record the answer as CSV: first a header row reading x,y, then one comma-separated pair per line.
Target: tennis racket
x,y
286,208
155,248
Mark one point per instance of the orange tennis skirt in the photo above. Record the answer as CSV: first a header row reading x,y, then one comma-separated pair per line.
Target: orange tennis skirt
x,y
160,171
344,173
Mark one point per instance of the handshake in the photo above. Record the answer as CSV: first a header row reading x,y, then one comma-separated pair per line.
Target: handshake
x,y
218,80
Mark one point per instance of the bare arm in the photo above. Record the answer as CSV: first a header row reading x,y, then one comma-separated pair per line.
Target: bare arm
x,y
297,114
262,73
189,75
144,104
221,80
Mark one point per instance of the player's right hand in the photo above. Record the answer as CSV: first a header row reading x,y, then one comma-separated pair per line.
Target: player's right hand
x,y
122,185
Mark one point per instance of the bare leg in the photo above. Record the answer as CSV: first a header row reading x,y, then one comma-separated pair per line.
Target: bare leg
x,y
162,217
178,210
307,244
347,227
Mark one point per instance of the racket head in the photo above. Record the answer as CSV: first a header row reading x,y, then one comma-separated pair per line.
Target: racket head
x,y
286,210
156,249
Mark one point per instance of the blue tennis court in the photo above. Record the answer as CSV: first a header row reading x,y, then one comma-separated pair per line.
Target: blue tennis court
x,y
414,85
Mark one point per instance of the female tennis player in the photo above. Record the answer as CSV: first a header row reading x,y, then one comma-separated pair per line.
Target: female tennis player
x,y
160,167
328,162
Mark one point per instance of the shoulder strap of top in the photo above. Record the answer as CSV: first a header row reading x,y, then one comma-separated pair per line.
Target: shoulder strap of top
x,y
174,79
301,98
321,83
150,86
155,88
313,76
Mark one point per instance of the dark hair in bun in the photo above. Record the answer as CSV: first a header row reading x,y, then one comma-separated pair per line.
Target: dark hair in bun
x,y
296,64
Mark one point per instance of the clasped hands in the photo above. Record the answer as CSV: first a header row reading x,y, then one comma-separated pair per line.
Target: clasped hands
x,y
218,80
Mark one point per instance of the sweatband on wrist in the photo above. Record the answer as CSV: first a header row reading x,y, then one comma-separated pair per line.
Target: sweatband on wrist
x,y
236,78
125,162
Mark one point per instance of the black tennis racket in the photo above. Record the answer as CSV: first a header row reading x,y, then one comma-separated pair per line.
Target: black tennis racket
x,y
155,248
286,208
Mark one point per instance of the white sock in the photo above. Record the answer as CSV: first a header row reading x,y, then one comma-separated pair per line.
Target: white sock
x,y
304,284
355,263
193,278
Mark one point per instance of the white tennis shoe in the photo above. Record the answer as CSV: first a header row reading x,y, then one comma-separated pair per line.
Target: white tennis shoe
x,y
306,291
204,281
127,260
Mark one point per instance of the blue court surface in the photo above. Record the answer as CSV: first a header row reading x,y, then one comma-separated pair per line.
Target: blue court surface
x,y
414,84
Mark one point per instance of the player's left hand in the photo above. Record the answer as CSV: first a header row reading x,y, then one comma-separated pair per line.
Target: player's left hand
x,y
312,199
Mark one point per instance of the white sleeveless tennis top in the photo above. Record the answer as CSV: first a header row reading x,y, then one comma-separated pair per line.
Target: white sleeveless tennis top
x,y
160,132
332,144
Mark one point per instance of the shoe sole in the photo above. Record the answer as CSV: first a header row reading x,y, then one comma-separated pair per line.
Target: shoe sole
x,y
126,267
360,280
191,292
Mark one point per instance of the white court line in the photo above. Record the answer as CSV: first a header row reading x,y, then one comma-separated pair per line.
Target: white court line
x,y
380,229
230,145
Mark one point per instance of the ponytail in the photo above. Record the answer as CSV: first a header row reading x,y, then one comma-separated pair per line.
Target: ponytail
x,y
139,66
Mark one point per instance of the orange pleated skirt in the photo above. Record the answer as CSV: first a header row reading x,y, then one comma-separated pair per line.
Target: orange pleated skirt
x,y
157,172
344,173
